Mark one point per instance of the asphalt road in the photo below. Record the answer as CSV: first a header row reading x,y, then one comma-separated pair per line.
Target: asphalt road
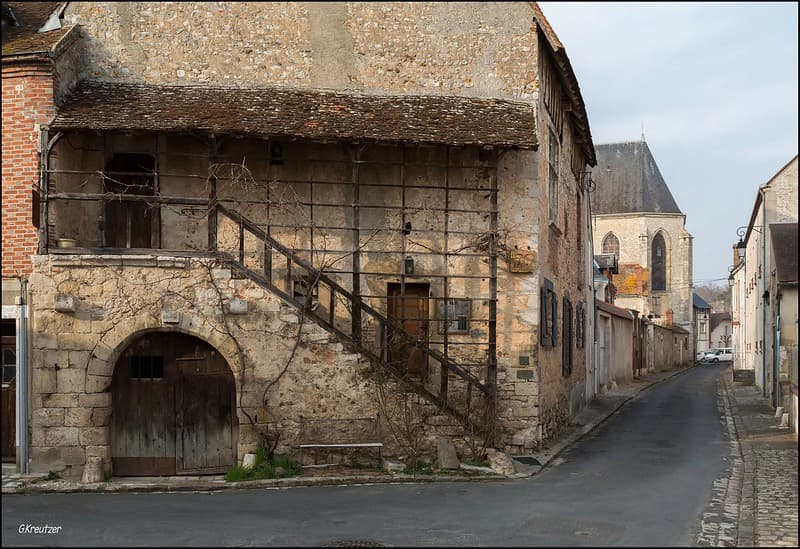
x,y
642,478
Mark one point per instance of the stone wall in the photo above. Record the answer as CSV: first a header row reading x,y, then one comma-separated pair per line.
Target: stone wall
x,y
382,47
635,233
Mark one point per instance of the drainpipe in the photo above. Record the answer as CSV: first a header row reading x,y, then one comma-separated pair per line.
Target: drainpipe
x,y
763,284
22,381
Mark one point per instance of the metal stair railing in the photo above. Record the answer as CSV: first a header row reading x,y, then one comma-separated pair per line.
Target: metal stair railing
x,y
370,337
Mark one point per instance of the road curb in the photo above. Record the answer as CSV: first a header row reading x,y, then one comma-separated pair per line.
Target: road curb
x,y
215,486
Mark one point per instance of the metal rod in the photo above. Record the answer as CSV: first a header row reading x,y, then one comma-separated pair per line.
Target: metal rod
x,y
356,314
443,371
212,196
491,374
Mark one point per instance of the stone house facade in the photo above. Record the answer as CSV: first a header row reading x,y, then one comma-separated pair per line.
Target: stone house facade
x,y
636,218
304,211
755,295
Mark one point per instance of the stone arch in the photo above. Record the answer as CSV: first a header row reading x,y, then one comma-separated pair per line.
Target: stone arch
x,y
610,244
104,356
178,391
659,261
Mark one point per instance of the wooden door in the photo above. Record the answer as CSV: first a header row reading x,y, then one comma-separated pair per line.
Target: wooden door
x,y
173,408
205,404
408,308
130,224
143,418
9,393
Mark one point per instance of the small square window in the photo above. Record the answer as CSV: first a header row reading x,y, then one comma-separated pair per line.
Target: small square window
x,y
455,317
147,367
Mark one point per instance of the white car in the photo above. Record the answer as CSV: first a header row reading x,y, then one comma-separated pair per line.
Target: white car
x,y
723,354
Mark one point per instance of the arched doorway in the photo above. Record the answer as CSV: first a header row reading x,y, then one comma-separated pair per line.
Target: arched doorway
x,y
173,408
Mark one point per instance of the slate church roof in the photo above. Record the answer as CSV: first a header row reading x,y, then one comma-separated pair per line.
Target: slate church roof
x,y
628,180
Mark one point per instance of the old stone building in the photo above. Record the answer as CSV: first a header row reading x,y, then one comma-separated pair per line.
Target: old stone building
x,y
258,215
764,295
637,219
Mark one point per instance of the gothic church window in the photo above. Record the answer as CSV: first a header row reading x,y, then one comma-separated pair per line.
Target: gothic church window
x,y
659,264
611,245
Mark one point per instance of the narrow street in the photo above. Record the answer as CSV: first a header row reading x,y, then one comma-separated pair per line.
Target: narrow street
x,y
643,478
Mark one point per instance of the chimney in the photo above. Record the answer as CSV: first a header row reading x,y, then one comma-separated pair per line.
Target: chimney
x,y
669,316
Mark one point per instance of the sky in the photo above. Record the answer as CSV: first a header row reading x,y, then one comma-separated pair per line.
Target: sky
x,y
713,85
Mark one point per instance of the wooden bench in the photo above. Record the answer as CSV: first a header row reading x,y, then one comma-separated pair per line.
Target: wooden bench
x,y
320,434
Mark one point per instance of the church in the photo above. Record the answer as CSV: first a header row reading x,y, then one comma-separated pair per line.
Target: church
x,y
636,218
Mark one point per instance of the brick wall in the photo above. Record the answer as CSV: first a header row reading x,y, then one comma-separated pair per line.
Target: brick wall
x,y
27,102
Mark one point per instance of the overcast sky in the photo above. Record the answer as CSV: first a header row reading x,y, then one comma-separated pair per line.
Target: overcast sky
x,y
715,86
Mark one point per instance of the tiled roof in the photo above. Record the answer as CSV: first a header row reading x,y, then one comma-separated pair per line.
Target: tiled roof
x,y
24,39
715,319
784,247
614,310
571,82
302,113
627,180
699,303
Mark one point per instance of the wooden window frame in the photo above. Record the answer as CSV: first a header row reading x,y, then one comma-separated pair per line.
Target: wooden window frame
x,y
553,179
548,315
567,337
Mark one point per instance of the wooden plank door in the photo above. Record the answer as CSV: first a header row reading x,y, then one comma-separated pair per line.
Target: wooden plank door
x,y
408,308
205,421
143,418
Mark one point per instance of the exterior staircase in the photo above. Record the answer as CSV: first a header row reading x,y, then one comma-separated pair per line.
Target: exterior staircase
x,y
357,325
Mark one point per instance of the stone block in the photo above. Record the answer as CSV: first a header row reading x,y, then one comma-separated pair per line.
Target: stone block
x,y
102,352
76,342
79,359
93,470
249,461
94,436
500,462
95,400
78,417
101,416
44,380
526,388
99,367
48,417
73,455
61,436
44,459
97,384
99,451
446,453
60,400
71,381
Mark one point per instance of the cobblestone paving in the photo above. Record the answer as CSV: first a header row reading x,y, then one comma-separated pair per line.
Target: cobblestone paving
x,y
755,503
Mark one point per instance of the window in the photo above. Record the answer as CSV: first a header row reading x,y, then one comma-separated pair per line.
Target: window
x,y
548,316
611,245
567,337
702,327
147,367
454,316
658,264
580,325
552,188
